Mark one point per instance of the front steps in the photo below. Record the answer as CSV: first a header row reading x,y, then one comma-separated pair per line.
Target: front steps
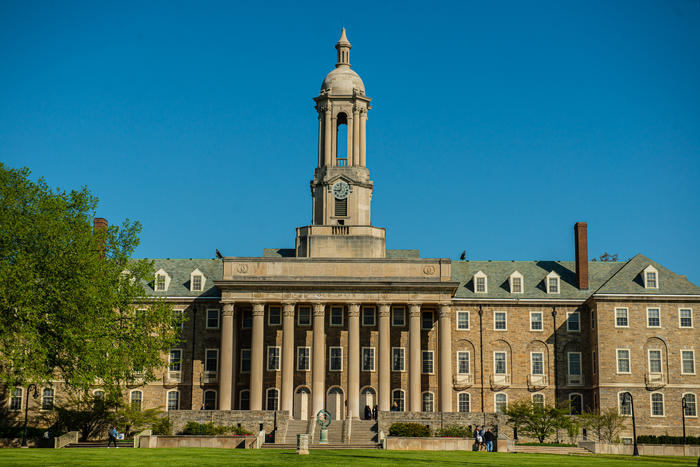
x,y
363,435
99,444
551,450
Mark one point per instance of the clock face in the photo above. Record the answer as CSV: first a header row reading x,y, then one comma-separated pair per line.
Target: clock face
x,y
341,190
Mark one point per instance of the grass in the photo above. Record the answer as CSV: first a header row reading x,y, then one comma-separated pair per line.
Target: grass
x,y
201,456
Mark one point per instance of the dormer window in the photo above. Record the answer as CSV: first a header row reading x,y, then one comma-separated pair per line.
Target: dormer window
x,y
162,281
651,277
516,282
553,282
197,281
480,283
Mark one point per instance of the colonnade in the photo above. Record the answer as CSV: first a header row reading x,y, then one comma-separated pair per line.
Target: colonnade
x,y
328,136
227,379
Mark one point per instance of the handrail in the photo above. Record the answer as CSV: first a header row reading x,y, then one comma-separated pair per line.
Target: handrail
x,y
341,162
65,439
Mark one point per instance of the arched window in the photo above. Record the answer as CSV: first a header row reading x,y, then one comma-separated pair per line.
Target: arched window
x,y
136,399
342,150
463,403
47,399
272,399
173,400
575,404
500,402
397,396
428,402
690,405
210,400
244,400
538,400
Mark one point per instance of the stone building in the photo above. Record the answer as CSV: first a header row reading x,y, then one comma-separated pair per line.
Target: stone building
x,y
341,322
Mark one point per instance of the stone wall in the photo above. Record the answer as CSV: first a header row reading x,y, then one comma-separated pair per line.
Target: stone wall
x,y
437,420
249,419
224,442
644,449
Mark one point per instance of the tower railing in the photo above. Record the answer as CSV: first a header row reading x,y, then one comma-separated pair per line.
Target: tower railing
x,y
341,162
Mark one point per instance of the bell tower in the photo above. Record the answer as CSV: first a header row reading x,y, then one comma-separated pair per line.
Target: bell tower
x,y
341,189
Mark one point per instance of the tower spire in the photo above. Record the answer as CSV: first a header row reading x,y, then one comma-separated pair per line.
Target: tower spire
x,y
343,47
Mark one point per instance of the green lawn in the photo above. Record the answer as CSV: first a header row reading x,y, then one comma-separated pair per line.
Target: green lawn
x,y
194,456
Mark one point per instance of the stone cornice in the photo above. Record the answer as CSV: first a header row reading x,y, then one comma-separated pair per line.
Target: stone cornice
x,y
338,286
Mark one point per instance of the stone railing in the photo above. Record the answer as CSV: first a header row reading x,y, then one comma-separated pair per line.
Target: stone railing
x,y
644,449
537,381
65,440
575,380
654,380
207,377
460,382
500,381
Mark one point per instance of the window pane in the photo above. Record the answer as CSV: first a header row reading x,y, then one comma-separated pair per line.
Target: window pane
x,y
336,316
209,400
397,359
536,321
427,362
398,397
653,317
212,318
655,361
303,360
16,399
336,359
657,404
576,404
175,359
623,361
500,363
574,363
136,400
538,400
368,359
399,315
621,317
688,357
273,358
368,316
173,400
427,317
463,402
553,285
463,363
537,363
275,316
500,320
304,316
245,360
245,400
197,282
462,320
573,323
428,402
481,284
211,361
500,403
690,405
686,318
625,405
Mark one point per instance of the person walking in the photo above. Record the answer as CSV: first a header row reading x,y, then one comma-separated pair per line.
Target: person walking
x,y
482,444
488,439
368,413
112,437
374,412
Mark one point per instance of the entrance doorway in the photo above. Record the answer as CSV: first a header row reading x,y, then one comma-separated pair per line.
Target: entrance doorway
x,y
335,403
301,403
367,399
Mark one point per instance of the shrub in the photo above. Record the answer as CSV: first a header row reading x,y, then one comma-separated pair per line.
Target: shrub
x,y
409,430
565,445
210,429
455,431
162,426
238,430
665,439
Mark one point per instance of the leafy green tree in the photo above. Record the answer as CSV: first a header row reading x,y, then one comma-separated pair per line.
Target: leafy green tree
x,y
536,420
82,412
68,292
606,424
130,420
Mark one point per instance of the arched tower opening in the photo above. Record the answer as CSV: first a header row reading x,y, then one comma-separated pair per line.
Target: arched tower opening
x,y
343,145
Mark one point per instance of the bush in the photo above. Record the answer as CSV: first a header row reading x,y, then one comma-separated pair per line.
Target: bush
x,y
409,430
210,429
563,445
454,431
665,439
238,430
162,426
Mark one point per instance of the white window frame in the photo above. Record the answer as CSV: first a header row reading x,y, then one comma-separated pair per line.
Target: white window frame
x,y
206,351
680,322
505,313
649,317
308,368
553,275
617,361
140,401
627,317
495,401
650,269
692,351
620,405
216,398
462,312
161,272
651,405
269,315
568,321
469,362
568,363
661,361
696,403
342,316
12,396
505,362
218,318
199,273
469,402
511,282
374,358
170,361
330,358
570,399
403,359
167,399
532,398
267,398
279,357
481,275
304,308
403,398
532,363
423,360
532,313
423,318
240,363
374,316
422,401
394,309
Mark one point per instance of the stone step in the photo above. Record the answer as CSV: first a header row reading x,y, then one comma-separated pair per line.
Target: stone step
x,y
99,444
323,446
550,450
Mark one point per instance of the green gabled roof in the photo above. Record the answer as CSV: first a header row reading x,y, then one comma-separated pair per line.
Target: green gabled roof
x,y
179,271
629,280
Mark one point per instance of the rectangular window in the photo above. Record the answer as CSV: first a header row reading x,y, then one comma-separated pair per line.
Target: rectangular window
x,y
651,280
463,362
16,400
246,319
463,402
499,363
625,406
480,284
657,404
621,319
685,317
623,360
595,362
398,316
173,400
499,320
197,283
574,363
367,358
160,282
303,358
136,399
573,321
175,359
428,362
553,285
517,283
273,358
341,207
427,320
245,360
304,316
211,360
428,402
592,319
335,359
274,316
536,321
213,319
687,362
336,316
398,359
500,402
653,317
47,399
690,405
462,320
654,361
177,318
368,316
537,363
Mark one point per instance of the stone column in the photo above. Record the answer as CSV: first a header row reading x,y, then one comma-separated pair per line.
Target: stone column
x,y
334,140
351,162
414,358
288,358
226,383
320,141
354,360
327,137
318,354
363,139
384,395
355,136
257,357
445,336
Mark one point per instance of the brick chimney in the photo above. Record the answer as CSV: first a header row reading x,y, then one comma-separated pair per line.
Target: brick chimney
x,y
101,224
581,237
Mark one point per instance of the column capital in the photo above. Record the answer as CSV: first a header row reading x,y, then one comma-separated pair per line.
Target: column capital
x,y
227,309
258,309
319,309
288,308
414,309
353,310
445,310
384,309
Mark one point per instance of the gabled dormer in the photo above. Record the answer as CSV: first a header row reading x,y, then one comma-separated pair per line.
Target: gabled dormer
x,y
516,282
162,281
197,281
650,275
481,284
553,283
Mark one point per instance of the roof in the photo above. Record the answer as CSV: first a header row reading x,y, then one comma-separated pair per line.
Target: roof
x,y
179,271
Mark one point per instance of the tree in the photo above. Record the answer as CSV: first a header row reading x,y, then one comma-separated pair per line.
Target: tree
x,y
606,424
89,415
68,293
536,420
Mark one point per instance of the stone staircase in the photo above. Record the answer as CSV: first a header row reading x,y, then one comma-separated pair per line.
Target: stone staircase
x,y
551,450
363,432
294,427
100,444
363,435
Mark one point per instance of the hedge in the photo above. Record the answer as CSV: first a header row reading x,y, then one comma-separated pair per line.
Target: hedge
x,y
210,429
454,431
665,439
413,430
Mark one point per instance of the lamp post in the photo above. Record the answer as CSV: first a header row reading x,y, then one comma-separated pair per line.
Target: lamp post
x,y
684,406
26,408
628,397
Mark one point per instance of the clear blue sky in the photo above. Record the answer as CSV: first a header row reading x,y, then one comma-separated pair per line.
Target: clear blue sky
x,y
495,127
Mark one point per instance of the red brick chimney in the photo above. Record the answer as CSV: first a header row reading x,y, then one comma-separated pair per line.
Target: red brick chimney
x,y
581,237
101,224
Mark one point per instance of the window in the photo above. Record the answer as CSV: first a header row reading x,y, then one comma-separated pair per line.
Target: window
x,y
573,321
480,283
592,319
623,360
210,399
651,277
303,358
428,402
397,359
685,317
427,320
397,396
463,402
245,360
398,316
273,397
536,323
499,365
462,320
595,362
428,363
654,361
173,400
136,400
367,358
687,362
537,363
175,360
499,320
575,404
336,316
552,282
574,366
500,402
625,405
368,316
690,405
463,362
274,316
653,317
246,319
16,400
212,319
244,400
273,358
335,359
341,207
162,280
196,283
621,319
516,282
538,400
304,316
657,404
178,320
211,360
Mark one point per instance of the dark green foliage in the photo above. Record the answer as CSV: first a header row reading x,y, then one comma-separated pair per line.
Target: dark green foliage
x,y
413,430
665,439
210,429
564,445
162,427
454,431
537,421
89,415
